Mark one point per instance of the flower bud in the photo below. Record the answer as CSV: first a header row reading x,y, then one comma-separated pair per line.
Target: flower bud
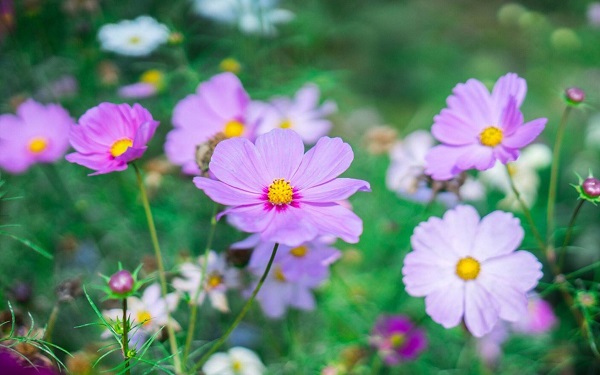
x,y
574,95
121,282
591,187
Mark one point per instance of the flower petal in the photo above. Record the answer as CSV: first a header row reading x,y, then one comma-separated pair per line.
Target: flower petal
x,y
481,309
525,134
226,194
476,156
441,162
508,85
335,220
446,305
282,151
424,273
520,269
498,233
290,227
471,101
329,158
334,191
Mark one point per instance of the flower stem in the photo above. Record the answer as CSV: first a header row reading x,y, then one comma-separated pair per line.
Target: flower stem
x,y
194,305
242,313
554,180
161,267
534,230
126,338
563,249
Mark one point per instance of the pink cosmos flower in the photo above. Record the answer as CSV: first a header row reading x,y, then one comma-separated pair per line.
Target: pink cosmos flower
x,y
397,339
111,135
36,134
539,319
220,105
289,197
138,90
301,114
468,268
478,128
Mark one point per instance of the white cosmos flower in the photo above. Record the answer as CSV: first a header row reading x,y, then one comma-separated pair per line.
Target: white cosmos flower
x,y
149,313
237,361
219,278
524,172
250,16
138,37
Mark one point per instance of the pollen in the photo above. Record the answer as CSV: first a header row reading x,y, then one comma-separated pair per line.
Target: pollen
x,y
299,251
214,280
120,146
233,129
468,268
491,136
236,366
397,340
37,145
144,317
285,124
280,192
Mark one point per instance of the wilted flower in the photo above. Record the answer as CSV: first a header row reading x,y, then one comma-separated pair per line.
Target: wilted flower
x,y
218,279
138,37
36,134
250,16
468,268
524,173
220,106
289,197
397,339
111,135
237,361
301,114
478,128
380,139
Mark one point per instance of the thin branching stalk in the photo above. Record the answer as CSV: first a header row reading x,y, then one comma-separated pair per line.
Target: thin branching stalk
x,y
194,304
563,249
242,313
161,267
51,323
126,338
554,179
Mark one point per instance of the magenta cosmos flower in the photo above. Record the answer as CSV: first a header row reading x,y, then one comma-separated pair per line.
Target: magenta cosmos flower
x,y
478,128
397,339
111,135
220,105
289,197
468,268
37,134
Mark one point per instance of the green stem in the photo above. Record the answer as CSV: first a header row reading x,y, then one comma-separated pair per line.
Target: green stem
x,y
194,305
51,323
242,313
161,267
563,249
554,178
526,211
126,338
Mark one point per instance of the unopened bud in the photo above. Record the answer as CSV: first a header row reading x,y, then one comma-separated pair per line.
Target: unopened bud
x,y
574,95
591,187
121,282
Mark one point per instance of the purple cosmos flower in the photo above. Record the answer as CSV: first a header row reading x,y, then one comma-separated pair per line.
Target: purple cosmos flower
x,y
301,114
289,197
478,128
468,268
111,135
220,105
539,319
397,339
36,134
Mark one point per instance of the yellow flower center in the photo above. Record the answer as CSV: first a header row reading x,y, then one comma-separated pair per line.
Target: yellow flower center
x,y
468,268
230,65
214,280
299,251
285,124
135,39
154,77
120,146
144,317
397,339
278,274
233,128
491,136
236,366
280,192
37,145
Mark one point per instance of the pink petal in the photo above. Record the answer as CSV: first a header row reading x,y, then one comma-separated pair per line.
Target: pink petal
x,y
499,233
249,218
471,102
307,98
225,94
460,228
193,113
520,269
302,298
446,305
506,86
290,227
329,158
180,148
481,309
333,219
525,134
424,273
511,118
335,190
453,130
282,151
505,155
441,162
225,194
476,157
512,302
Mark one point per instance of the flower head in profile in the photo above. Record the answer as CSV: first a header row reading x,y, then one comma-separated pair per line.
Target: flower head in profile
x,y
397,339
150,83
478,128
237,361
467,268
275,189
138,37
36,134
301,114
218,279
111,135
219,107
